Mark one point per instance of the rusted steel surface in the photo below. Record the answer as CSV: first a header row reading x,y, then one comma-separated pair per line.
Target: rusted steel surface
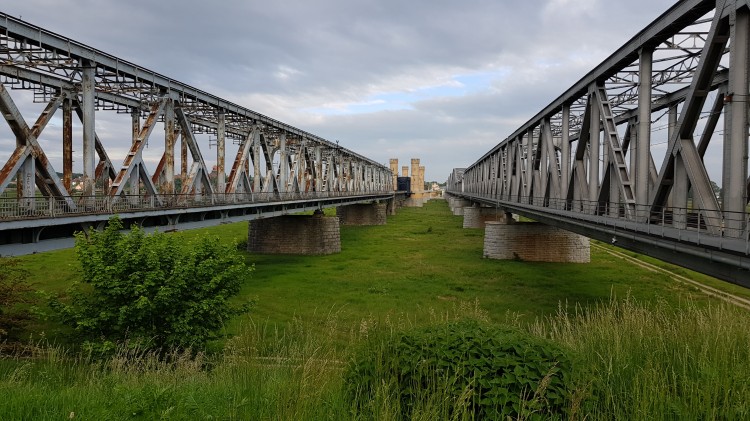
x,y
66,74
67,144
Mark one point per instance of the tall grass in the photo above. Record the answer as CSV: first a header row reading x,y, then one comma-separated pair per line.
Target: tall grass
x,y
292,372
658,361
635,361
671,354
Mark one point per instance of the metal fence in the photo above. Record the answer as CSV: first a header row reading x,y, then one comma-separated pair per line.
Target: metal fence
x,y
52,207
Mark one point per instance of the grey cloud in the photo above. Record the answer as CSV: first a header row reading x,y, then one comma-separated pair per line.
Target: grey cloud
x,y
285,57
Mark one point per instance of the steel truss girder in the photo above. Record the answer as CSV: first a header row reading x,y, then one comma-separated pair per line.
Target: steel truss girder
x,y
666,66
46,59
55,68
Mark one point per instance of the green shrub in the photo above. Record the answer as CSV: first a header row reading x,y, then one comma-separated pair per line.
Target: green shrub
x,y
14,293
473,370
151,291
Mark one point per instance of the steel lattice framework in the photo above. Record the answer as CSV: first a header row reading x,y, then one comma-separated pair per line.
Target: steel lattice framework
x,y
274,161
586,161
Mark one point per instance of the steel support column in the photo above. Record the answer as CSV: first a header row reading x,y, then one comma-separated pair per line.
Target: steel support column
x,y
67,143
565,150
169,147
594,151
734,171
643,138
283,164
88,104
221,135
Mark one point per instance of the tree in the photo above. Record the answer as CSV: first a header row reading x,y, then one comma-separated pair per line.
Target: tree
x,y
150,291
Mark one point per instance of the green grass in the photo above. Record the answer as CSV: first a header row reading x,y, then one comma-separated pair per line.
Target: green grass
x,y
420,263
645,340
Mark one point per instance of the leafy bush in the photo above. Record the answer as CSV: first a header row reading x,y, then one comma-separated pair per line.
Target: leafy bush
x,y
14,292
150,290
478,371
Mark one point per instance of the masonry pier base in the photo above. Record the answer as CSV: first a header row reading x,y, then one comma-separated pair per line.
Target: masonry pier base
x,y
458,205
476,217
295,234
534,242
362,214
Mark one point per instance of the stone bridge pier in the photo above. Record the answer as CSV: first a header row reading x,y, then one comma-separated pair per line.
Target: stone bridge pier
x,y
476,216
534,242
363,214
458,205
315,234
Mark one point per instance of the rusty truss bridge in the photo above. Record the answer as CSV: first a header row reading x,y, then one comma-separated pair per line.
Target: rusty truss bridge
x,y
624,155
277,169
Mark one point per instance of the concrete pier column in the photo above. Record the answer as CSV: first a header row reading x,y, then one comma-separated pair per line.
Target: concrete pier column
x,y
475,216
295,234
362,214
414,202
390,207
459,205
534,242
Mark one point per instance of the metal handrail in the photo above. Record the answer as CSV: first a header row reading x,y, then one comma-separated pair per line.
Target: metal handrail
x,y
12,209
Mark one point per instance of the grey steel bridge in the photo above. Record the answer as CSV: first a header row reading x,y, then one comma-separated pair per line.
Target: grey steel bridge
x,y
621,156
278,169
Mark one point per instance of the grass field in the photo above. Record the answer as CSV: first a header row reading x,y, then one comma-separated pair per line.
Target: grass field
x,y
639,330
420,264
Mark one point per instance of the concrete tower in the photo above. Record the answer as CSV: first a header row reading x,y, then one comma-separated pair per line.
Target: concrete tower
x,y
394,170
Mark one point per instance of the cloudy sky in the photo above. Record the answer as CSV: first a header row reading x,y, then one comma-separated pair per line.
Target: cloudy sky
x,y
440,80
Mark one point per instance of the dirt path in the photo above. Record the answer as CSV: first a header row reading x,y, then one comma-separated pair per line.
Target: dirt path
x,y
722,295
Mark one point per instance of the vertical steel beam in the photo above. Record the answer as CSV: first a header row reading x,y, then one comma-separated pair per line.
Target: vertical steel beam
x,y
734,171
88,84
565,150
135,175
642,157
169,146
283,164
67,143
221,135
256,161
318,168
631,135
183,157
594,151
680,193
672,123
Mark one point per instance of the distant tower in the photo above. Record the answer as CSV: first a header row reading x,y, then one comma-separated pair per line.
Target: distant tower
x,y
421,178
415,186
394,170
404,171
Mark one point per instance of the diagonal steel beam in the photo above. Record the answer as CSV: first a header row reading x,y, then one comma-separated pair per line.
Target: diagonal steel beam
x,y
28,137
682,144
136,149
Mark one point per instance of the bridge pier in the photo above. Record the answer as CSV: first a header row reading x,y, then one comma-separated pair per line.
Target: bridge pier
x,y
362,214
534,242
475,216
390,207
295,234
458,205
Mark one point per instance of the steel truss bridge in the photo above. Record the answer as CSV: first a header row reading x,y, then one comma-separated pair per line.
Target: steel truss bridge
x,y
277,169
621,156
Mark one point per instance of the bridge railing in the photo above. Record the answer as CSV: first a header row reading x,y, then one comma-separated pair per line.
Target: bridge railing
x,y
53,207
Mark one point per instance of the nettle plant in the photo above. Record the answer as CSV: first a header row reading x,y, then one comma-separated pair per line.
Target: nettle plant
x,y
152,291
473,369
